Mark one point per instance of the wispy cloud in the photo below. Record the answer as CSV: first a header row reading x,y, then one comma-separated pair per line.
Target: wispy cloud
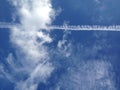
x,y
91,75
64,47
83,71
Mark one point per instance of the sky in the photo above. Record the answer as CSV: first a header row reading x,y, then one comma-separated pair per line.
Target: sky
x,y
32,58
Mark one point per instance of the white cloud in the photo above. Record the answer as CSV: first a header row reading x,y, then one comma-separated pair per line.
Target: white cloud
x,y
5,74
90,75
39,74
64,46
83,70
31,54
35,13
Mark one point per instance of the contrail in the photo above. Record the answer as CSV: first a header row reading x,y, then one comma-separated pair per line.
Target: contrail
x,y
87,27
7,25
70,27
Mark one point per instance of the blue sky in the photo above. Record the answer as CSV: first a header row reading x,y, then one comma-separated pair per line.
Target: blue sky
x,y
35,59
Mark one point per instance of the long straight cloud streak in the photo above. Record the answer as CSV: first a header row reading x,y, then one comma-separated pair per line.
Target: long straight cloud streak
x,y
71,27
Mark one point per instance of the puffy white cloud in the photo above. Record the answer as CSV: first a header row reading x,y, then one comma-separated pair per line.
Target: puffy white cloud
x,y
37,13
28,39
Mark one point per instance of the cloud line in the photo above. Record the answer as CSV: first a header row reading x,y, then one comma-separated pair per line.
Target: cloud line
x,y
87,27
70,27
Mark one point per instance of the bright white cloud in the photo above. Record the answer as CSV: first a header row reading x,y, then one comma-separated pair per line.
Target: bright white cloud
x,y
28,40
37,13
